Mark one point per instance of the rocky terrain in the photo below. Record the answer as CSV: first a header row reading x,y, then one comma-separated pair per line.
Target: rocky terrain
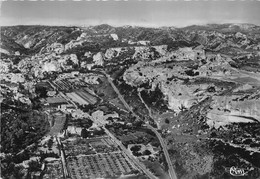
x,y
199,85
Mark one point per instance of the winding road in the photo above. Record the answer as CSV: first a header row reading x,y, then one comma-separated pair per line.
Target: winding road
x,y
172,172
119,143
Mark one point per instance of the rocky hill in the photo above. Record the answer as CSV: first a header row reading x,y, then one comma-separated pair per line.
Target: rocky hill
x,y
199,84
241,38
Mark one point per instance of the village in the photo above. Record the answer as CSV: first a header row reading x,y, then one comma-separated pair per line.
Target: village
x,y
83,139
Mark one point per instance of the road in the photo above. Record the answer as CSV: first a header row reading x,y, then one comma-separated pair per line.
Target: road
x,y
119,143
63,158
149,110
134,160
110,80
172,172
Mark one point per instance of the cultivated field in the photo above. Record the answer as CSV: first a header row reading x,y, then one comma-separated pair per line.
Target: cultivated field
x,y
100,166
58,124
82,97
89,146
68,84
86,96
63,85
56,100
76,98
53,171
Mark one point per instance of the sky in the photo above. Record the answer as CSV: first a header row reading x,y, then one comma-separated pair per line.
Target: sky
x,y
132,12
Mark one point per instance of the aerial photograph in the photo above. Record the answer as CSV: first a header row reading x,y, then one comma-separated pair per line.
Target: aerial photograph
x,y
137,89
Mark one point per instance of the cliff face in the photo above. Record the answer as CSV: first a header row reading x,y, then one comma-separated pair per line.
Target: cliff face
x,y
192,76
177,94
234,109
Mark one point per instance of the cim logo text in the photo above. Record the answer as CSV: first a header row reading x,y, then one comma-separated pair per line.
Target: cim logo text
x,y
237,171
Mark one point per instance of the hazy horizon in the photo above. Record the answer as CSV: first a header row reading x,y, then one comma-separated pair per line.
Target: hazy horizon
x,y
133,13
126,25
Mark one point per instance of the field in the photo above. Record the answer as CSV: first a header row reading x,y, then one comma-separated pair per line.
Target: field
x,y
104,89
157,169
105,145
82,123
56,100
53,171
68,84
89,146
86,96
72,150
131,136
58,124
82,97
100,166
76,98
137,137
63,85
44,84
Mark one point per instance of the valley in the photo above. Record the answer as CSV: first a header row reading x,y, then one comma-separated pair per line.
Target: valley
x,y
130,102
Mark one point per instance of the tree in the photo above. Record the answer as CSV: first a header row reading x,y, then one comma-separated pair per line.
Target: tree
x,y
87,123
41,91
167,121
50,143
7,166
84,133
34,165
146,152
